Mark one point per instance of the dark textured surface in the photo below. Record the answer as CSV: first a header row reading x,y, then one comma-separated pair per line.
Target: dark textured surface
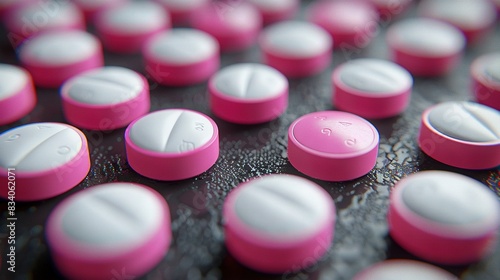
x,y
197,250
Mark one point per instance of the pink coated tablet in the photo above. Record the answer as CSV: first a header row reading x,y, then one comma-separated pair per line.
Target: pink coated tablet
x,y
235,27
461,134
109,230
55,56
17,93
444,217
181,57
296,48
276,10
371,88
390,9
332,145
172,144
485,72
46,159
425,47
39,16
352,24
278,223
408,269
92,8
248,93
125,28
475,18
182,11
105,98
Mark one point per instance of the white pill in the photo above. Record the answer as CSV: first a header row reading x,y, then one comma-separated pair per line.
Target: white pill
x,y
395,269
135,17
12,80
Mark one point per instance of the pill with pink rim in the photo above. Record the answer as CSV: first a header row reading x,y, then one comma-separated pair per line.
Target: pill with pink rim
x,y
55,56
47,159
278,223
92,8
371,88
409,269
296,48
352,24
17,93
181,57
276,10
127,27
444,217
425,47
105,98
108,230
172,144
461,134
475,18
182,11
248,93
332,145
485,73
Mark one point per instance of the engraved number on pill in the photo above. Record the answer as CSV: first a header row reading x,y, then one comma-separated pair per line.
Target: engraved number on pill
x,y
321,118
13,137
63,150
40,127
326,131
345,124
350,142
186,146
199,126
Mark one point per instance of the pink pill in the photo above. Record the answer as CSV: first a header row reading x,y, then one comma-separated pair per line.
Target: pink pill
x,y
410,270
332,145
390,9
425,47
126,28
172,144
105,98
8,6
42,160
475,18
371,88
17,94
276,10
41,16
235,27
296,48
248,93
53,57
352,24
444,217
181,57
278,223
485,72
109,230
182,11
461,134
92,8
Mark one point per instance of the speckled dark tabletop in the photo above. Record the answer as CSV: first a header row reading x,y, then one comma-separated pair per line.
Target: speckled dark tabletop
x,y
197,250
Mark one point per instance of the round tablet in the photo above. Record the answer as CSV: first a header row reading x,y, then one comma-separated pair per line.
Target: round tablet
x,y
46,159
181,56
235,27
475,18
390,9
91,8
39,16
276,10
332,145
296,48
371,88
126,28
248,93
105,98
461,134
352,24
278,223
182,11
485,72
53,57
412,270
17,94
172,144
444,217
425,47
108,230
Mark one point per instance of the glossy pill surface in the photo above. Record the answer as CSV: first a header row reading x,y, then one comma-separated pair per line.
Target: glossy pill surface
x,y
17,93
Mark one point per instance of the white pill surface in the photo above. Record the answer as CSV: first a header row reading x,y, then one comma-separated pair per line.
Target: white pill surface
x,y
105,98
50,158
120,226
248,93
412,270
172,144
17,94
485,72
